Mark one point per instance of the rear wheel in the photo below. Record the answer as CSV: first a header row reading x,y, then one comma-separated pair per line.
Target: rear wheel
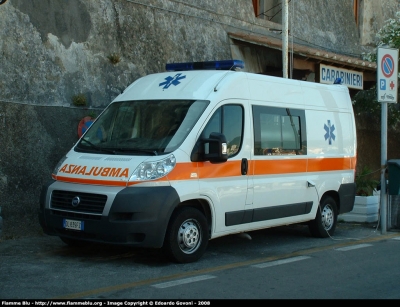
x,y
325,221
186,238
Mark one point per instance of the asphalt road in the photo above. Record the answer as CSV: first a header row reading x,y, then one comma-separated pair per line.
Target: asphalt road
x,y
359,262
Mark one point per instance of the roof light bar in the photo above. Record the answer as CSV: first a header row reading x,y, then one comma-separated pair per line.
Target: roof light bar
x,y
219,65
338,81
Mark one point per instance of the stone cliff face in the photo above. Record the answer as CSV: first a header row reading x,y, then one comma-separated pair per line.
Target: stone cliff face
x,y
52,50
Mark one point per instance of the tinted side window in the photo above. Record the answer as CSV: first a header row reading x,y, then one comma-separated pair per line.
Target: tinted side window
x,y
227,120
279,131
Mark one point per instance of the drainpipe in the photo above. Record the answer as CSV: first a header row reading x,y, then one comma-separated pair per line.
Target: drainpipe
x,y
285,36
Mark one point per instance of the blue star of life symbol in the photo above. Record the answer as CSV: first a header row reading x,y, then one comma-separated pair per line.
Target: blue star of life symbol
x,y
172,80
329,132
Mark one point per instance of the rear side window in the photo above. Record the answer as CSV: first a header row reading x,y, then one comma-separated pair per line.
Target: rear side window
x,y
279,131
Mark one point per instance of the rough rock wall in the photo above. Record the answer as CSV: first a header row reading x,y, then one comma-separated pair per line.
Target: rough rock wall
x,y
373,15
51,50
330,24
55,49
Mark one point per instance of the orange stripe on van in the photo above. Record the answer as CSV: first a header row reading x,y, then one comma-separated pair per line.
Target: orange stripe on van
x,y
330,164
203,170
217,170
91,181
284,166
194,170
184,171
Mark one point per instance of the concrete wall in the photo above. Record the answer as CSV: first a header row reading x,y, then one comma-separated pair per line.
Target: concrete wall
x,y
33,139
51,50
330,24
372,16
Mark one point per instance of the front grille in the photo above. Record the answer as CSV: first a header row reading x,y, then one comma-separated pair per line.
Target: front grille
x,y
89,203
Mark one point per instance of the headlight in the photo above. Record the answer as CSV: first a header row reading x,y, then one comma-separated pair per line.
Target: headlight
x,y
154,170
57,168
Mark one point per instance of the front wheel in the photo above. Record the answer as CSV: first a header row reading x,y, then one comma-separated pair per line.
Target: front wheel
x,y
325,221
186,238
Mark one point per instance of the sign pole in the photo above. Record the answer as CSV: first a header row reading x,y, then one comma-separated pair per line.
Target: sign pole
x,y
383,200
387,73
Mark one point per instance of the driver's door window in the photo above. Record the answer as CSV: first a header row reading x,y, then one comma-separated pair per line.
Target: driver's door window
x,y
228,120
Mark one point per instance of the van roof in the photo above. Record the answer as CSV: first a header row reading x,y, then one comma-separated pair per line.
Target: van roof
x,y
195,84
223,84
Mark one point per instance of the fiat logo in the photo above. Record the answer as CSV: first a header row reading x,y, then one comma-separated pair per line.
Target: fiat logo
x,y
76,201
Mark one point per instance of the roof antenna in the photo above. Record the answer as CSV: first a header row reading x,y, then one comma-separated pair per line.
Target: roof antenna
x,y
236,65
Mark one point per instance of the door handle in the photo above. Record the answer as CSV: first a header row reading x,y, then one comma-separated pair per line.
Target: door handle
x,y
244,167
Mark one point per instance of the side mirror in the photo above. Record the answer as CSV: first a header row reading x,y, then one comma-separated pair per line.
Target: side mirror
x,y
213,149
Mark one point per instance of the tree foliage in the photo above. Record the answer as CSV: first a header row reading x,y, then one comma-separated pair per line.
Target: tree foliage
x,y
366,101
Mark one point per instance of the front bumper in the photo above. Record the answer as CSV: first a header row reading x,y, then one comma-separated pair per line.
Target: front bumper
x,y
135,216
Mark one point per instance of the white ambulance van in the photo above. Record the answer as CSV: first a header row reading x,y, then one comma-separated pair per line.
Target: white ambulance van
x,y
203,151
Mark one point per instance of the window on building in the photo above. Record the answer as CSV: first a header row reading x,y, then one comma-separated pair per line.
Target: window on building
x,y
268,9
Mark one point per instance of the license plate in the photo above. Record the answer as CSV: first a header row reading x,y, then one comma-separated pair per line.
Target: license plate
x,y
72,224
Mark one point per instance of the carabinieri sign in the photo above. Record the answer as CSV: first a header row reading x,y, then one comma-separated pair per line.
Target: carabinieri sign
x,y
350,78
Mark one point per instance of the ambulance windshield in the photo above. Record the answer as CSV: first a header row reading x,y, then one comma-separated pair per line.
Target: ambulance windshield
x,y
146,127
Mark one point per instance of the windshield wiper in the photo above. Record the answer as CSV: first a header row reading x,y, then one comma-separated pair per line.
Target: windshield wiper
x,y
148,151
99,148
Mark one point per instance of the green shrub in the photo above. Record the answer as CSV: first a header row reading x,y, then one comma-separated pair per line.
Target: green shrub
x,y
365,182
79,100
114,58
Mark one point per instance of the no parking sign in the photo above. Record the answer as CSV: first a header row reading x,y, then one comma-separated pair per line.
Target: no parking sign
x,y
387,71
84,124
